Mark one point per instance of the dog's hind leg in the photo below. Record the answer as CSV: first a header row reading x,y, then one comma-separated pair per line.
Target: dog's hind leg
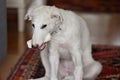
x,y
92,70
91,67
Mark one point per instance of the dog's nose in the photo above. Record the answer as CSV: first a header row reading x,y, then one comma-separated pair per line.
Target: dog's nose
x,y
35,46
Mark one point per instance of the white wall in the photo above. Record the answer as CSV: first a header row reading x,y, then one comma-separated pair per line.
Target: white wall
x,y
101,27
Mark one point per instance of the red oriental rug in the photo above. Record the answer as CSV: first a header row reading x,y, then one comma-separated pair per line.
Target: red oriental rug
x,y
30,66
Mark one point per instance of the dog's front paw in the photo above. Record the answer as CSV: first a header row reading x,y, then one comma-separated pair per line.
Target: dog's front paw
x,y
43,78
33,79
53,79
68,78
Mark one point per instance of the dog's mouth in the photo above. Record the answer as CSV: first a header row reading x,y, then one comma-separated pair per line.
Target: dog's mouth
x,y
42,46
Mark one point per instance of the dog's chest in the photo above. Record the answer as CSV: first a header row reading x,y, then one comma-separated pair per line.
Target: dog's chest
x,y
63,45
64,51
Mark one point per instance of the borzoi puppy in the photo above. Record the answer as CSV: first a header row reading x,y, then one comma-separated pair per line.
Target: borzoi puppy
x,y
64,41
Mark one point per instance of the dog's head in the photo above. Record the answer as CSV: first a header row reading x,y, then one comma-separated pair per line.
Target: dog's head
x,y
45,20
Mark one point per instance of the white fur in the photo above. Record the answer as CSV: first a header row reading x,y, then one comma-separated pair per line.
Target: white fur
x,y
68,52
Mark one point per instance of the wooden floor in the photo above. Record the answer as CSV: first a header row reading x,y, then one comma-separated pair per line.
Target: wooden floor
x,y
16,44
17,41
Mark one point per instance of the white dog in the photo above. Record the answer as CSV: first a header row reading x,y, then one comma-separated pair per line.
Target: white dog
x,y
64,41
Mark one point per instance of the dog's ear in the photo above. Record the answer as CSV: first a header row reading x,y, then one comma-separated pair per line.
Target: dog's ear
x,y
28,15
56,14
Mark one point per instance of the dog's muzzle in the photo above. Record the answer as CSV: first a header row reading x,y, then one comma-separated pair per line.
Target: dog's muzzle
x,y
42,46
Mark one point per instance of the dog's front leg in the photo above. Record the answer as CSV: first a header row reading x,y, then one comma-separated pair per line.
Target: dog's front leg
x,y
45,60
77,60
54,62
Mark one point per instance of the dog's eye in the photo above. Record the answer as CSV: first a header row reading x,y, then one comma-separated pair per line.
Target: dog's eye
x,y
43,26
33,25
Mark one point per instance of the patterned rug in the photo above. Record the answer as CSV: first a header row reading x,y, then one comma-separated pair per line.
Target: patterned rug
x,y
30,66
